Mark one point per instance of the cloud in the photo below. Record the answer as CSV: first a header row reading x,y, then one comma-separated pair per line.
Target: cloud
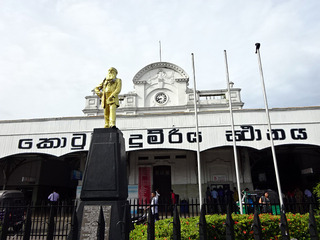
x,y
54,52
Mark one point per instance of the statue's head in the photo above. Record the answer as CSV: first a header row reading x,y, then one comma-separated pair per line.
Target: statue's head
x,y
112,73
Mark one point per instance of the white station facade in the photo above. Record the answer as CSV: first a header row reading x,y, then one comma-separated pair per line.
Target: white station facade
x,y
158,123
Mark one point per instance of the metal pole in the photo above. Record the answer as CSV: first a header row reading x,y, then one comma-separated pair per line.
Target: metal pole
x,y
233,134
197,129
160,49
269,126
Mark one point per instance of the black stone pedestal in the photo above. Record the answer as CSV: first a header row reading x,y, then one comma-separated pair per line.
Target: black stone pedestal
x,y
113,212
104,184
105,174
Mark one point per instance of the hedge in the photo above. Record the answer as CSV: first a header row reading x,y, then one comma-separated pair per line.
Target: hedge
x,y
298,227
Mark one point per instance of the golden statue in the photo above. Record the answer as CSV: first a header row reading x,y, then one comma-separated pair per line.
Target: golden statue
x,y
108,92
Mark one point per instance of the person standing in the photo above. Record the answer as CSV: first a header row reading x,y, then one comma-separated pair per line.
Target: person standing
x,y
208,195
214,195
221,195
309,198
154,206
298,195
308,195
54,198
265,201
173,197
208,198
173,201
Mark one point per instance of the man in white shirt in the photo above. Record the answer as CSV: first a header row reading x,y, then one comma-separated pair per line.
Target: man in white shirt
x,y
54,198
154,206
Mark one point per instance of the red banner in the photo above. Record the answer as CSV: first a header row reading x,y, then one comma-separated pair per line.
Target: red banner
x,y
144,184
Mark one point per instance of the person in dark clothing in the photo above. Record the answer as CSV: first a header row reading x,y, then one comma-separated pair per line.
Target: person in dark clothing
x,y
265,202
209,199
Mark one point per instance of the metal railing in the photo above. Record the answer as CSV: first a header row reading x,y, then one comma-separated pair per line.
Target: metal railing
x,y
191,207
229,225
60,221
37,222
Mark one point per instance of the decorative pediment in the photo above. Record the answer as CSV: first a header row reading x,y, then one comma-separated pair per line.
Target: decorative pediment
x,y
160,73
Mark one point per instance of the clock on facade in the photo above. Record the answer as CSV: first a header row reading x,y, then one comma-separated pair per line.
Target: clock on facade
x,y
161,98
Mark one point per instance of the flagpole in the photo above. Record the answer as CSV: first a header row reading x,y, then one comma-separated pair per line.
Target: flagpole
x,y
233,134
197,130
269,127
160,50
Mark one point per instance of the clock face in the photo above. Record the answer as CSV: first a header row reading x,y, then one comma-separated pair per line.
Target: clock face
x,y
161,98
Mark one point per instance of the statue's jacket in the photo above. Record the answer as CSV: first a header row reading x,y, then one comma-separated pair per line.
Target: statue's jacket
x,y
108,91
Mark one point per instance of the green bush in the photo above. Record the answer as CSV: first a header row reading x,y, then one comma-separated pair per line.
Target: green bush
x,y
298,227
316,191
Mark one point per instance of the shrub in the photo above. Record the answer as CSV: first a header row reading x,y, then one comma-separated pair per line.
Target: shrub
x,y
316,191
298,227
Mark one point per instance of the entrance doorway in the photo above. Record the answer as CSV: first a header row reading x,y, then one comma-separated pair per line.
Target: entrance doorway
x,y
162,182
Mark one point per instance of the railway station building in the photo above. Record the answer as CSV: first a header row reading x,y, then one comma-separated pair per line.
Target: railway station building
x,y
158,124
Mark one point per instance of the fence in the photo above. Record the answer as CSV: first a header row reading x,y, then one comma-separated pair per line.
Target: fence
x,y
37,222
60,222
191,208
229,225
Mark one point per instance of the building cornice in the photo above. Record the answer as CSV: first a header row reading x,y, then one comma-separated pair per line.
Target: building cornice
x,y
164,113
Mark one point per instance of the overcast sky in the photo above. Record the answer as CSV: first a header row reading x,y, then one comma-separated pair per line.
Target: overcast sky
x,y
54,52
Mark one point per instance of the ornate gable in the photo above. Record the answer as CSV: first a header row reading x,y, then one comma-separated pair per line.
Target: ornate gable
x,y
160,70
